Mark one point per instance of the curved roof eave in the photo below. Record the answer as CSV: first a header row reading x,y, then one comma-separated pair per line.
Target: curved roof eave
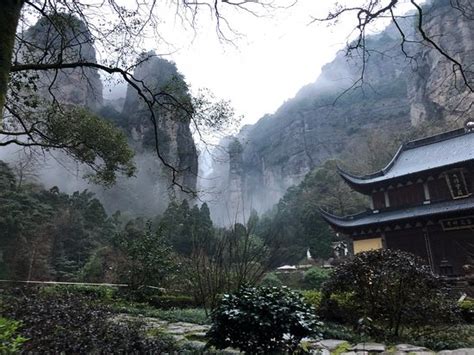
x,y
336,221
439,154
368,179
364,219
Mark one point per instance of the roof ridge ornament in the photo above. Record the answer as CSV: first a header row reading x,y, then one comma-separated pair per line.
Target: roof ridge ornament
x,y
469,125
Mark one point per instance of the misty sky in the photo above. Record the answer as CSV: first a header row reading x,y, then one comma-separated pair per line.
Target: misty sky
x,y
270,64
275,57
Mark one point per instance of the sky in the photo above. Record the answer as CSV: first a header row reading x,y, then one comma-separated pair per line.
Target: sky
x,y
272,58
275,56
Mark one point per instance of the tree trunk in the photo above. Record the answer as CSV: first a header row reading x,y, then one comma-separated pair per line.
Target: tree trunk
x,y
9,16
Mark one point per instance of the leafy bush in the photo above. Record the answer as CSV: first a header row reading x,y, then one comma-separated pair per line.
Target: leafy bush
x,y
315,277
392,290
262,320
10,341
338,307
467,310
313,298
149,259
343,332
271,280
75,325
442,337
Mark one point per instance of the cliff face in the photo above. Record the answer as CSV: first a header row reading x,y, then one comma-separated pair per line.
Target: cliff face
x,y
175,141
437,90
150,191
71,40
319,123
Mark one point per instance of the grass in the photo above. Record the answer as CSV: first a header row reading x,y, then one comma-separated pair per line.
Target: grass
x,y
110,297
189,315
443,337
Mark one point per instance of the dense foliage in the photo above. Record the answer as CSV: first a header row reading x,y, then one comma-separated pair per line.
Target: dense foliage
x,y
187,227
148,259
315,277
10,340
46,234
386,291
262,320
295,224
75,324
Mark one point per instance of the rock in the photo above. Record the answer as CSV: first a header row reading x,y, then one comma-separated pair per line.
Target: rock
x,y
78,86
410,348
464,351
174,330
178,338
195,345
229,351
372,347
356,353
330,344
186,329
174,133
175,142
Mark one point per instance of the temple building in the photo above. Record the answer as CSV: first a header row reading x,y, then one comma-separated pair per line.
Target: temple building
x,y
421,202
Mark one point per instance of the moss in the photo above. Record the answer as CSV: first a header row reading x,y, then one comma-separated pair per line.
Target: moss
x,y
195,336
342,348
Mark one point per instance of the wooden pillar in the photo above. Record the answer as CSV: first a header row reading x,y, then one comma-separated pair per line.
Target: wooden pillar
x,y
426,191
387,200
429,253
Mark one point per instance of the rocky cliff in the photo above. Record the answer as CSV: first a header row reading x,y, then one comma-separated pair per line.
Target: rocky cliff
x,y
437,89
150,191
66,38
173,135
325,121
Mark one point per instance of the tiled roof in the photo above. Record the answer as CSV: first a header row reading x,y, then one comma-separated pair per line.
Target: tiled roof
x,y
421,155
370,218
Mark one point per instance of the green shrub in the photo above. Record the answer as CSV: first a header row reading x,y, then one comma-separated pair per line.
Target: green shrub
x,y
313,298
442,337
71,323
338,307
467,310
343,332
10,340
315,277
262,320
392,290
172,301
271,280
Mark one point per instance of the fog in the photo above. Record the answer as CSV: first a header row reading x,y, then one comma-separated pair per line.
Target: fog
x,y
274,61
